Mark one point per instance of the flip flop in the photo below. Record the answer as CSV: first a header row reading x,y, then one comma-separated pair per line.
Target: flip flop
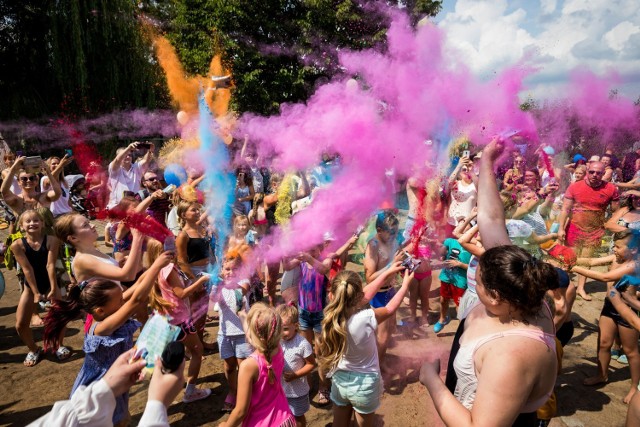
x,y
63,353
32,358
323,397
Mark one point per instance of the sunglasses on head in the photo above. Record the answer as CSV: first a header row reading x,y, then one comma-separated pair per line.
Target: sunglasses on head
x,y
28,178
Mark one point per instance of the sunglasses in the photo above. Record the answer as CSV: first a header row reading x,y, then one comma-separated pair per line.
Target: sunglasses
x,y
596,173
155,178
28,178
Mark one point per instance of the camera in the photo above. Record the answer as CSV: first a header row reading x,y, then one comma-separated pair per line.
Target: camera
x,y
410,262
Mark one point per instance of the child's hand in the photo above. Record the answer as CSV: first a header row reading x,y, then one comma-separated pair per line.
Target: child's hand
x,y
408,277
396,267
164,259
289,376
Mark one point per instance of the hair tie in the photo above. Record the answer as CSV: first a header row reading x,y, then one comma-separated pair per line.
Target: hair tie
x,y
83,285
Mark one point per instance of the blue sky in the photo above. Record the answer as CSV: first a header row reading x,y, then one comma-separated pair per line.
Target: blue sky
x,y
602,35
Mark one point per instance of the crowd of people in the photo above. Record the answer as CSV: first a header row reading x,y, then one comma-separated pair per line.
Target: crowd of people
x,y
512,232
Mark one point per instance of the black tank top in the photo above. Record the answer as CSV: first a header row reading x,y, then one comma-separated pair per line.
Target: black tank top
x,y
38,261
198,248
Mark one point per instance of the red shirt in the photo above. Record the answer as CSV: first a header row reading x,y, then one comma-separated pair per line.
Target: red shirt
x,y
590,204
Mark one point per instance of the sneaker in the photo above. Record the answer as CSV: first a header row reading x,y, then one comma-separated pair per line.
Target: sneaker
x,y
623,359
615,353
197,394
440,325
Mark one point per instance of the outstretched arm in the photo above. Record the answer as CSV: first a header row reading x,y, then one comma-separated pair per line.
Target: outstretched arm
x,y
491,219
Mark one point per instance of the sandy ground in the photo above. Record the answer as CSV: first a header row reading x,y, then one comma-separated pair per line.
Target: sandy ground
x,y
28,393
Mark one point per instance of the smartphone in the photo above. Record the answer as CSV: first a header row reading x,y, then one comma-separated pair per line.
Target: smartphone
x,y
19,153
144,145
455,254
169,244
466,154
169,189
32,163
68,152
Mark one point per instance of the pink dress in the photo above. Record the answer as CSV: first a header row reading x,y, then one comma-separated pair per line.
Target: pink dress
x,y
269,407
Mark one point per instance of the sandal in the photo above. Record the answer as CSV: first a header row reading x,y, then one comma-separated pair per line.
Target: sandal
x,y
63,353
32,358
323,397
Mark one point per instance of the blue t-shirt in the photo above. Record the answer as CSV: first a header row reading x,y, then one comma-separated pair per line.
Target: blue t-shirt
x,y
456,276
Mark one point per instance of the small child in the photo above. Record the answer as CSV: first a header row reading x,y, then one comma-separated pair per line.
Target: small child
x,y
299,361
241,232
36,254
232,344
112,329
261,399
175,289
453,279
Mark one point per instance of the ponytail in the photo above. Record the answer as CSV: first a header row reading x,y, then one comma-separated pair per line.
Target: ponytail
x,y
346,289
86,297
264,329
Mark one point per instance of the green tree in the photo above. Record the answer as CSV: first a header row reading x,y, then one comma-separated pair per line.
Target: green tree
x,y
279,50
82,56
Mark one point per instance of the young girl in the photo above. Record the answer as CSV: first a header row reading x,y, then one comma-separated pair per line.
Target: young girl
x,y
111,331
193,246
241,232
348,349
170,296
299,361
261,400
231,336
36,253
623,262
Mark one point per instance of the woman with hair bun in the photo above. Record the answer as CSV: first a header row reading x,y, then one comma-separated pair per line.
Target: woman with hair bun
x,y
506,363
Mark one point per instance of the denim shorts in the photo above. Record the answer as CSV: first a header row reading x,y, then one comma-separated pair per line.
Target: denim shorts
x,y
299,405
234,346
361,391
309,320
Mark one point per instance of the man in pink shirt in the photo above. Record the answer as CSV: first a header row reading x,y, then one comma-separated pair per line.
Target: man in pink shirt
x,y
584,208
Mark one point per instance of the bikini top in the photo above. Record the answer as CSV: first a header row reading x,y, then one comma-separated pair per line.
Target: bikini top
x,y
198,248
464,364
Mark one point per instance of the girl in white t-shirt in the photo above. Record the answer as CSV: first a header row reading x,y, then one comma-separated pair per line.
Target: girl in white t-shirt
x,y
348,351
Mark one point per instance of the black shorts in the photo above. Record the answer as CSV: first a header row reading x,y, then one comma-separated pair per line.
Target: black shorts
x,y
608,310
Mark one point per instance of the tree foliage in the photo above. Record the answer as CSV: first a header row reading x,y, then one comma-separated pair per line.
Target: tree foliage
x,y
81,56
279,50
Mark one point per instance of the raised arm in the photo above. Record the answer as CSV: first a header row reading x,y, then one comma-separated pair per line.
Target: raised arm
x,y
90,268
609,276
9,197
147,158
491,219
383,313
55,191
142,288
117,162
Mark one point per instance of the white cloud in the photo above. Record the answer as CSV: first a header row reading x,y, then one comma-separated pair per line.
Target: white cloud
x,y
599,34
618,36
548,6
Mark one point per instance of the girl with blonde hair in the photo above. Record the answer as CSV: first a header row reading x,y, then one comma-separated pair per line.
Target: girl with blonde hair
x,y
261,401
347,350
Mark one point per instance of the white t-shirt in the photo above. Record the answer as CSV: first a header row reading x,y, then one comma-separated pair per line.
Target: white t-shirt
x,y
295,351
463,200
230,303
60,206
362,351
122,180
